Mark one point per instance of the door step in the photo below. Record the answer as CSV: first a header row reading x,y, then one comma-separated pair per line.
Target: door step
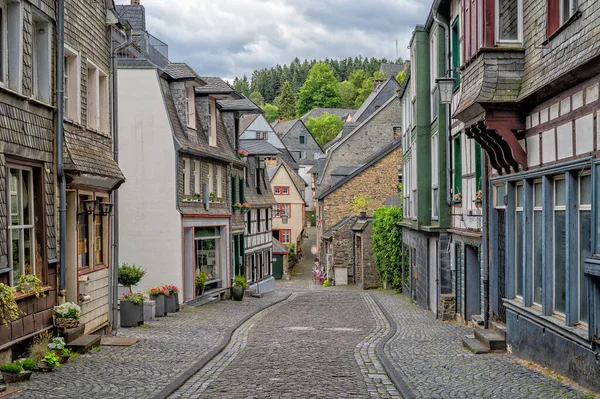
x,y
71,334
85,343
491,339
500,329
472,344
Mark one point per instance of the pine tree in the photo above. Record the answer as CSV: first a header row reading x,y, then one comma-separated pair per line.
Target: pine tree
x,y
287,107
319,90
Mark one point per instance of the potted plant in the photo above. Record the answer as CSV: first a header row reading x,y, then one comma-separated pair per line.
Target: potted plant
x,y
157,294
132,309
9,310
212,197
457,197
130,275
13,372
49,362
478,199
242,153
58,346
239,286
27,364
237,206
67,315
246,207
172,299
30,282
201,278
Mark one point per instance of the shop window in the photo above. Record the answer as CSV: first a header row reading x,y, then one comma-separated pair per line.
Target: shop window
x,y
537,243
560,249
21,228
208,251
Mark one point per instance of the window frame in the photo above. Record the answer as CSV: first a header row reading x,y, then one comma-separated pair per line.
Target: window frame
x,y
540,209
186,177
14,67
558,208
42,51
72,84
435,177
190,106
212,126
519,39
433,73
583,207
97,98
302,139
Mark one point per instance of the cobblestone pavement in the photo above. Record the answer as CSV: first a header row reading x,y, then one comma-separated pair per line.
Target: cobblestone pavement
x,y
168,346
430,358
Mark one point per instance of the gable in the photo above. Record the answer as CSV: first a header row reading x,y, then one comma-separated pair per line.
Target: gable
x,y
260,124
282,178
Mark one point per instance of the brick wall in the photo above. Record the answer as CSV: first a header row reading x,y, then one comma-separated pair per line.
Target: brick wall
x,y
376,183
369,277
342,246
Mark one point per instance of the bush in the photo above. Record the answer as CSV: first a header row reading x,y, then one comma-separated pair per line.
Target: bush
x,y
201,279
387,245
28,365
11,368
312,218
39,347
130,275
239,281
292,252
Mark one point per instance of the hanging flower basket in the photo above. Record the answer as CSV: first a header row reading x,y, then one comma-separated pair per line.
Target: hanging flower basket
x,y
246,207
237,206
242,153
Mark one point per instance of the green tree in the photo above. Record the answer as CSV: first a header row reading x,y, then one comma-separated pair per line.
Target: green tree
x,y
357,78
401,76
348,94
387,246
367,88
319,90
287,103
257,98
242,85
324,128
271,112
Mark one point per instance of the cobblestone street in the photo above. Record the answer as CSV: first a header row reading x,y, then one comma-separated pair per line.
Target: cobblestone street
x,y
313,342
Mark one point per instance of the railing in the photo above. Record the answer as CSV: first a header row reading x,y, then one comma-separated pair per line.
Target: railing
x,y
143,46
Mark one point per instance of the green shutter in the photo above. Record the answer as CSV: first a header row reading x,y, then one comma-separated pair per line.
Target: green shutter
x,y
457,167
243,253
477,166
455,52
233,190
242,190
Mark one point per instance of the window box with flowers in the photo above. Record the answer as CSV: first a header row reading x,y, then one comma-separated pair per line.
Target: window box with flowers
x,y
457,199
212,197
67,315
242,153
478,199
246,207
237,206
158,295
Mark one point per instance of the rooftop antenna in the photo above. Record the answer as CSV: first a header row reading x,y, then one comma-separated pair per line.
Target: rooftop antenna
x,y
396,50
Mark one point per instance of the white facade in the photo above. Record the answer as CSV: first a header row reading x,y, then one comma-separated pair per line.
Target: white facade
x,y
260,124
147,203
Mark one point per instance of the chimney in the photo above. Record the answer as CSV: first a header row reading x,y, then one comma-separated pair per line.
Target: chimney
x,y
135,2
376,84
406,66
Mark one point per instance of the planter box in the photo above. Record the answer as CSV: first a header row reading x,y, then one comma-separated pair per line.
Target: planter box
x,y
14,378
159,301
171,304
237,293
149,310
177,302
132,315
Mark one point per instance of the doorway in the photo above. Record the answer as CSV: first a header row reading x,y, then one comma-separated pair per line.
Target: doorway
x,y
472,282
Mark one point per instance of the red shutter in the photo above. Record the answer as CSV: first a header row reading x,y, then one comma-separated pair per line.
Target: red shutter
x,y
489,23
552,16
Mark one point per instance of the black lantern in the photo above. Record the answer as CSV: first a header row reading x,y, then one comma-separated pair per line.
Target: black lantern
x,y
106,208
90,206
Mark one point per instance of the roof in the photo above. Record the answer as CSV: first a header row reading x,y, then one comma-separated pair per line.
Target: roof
x,y
253,197
344,170
134,63
329,233
318,167
246,120
397,143
242,104
299,183
259,147
317,112
347,128
391,70
279,248
182,71
373,96
361,224
134,13
214,85
282,128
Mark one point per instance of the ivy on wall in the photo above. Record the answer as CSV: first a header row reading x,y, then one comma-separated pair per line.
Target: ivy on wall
x,y
387,245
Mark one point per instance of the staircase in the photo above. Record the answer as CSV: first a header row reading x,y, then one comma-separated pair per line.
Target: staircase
x,y
485,341
77,341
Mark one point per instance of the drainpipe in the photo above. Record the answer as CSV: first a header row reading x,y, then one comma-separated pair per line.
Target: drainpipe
x,y
484,245
115,194
60,141
448,107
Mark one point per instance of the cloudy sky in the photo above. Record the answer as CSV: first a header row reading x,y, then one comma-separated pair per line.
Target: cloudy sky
x,y
228,38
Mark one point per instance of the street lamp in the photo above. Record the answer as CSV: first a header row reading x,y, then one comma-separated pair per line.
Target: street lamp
x,y
446,88
90,206
105,208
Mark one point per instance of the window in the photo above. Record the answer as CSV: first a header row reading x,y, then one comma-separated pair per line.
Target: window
x,y
14,44
433,49
208,251
262,135
212,131
21,229
97,98
585,240
282,210
219,192
413,177
302,139
434,177
186,176
560,248
197,178
42,55
519,192
72,84
281,190
509,21
268,216
190,106
537,243
242,190
277,190
302,154
455,52
285,236
259,224
83,233
286,190
457,190
210,179
233,189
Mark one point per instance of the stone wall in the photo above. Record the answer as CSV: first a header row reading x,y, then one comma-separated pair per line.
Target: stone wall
x,y
342,246
417,241
311,147
369,278
376,183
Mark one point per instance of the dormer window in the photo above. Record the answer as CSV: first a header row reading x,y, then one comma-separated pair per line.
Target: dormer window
x,y
212,128
190,106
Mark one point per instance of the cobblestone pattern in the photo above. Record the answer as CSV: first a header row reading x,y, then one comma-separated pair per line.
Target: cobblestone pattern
x,y
195,386
168,346
429,356
378,383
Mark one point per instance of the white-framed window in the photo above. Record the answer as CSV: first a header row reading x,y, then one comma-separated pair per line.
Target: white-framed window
x,y
519,200
212,130
302,154
197,178
433,49
21,222
567,9
509,21
585,240
72,82
42,58
92,231
434,178
186,176
560,246
12,44
190,106
219,192
276,213
97,98
537,242
316,155
286,236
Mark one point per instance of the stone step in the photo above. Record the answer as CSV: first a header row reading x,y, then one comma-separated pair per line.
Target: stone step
x,y
474,345
477,320
201,301
85,343
71,334
500,329
491,339
257,295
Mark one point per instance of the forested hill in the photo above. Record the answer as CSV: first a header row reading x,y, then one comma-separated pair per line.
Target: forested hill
x,y
269,81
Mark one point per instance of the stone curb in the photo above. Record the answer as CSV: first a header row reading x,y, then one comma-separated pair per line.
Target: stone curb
x,y
391,371
179,381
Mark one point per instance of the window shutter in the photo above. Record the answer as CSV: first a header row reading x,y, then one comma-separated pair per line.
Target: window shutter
x,y
233,189
552,16
242,191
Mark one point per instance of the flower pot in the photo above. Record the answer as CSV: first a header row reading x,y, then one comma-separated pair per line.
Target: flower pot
x,y
132,315
177,301
149,310
171,303
14,378
237,293
199,290
44,368
66,323
159,300
64,359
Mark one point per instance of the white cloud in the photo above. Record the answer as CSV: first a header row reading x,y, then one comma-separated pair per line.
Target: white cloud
x,y
230,38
